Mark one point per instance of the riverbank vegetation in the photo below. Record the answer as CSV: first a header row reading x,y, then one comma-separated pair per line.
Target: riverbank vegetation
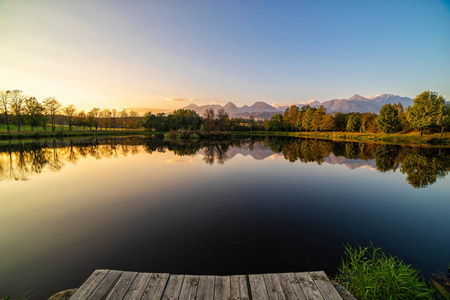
x,y
25,117
368,273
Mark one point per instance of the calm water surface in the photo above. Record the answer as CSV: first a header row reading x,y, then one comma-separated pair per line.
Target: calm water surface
x,y
242,206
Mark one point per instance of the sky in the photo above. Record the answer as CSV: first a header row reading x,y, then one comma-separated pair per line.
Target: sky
x,y
163,55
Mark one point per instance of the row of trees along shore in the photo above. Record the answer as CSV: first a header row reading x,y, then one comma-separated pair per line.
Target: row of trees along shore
x,y
18,109
429,111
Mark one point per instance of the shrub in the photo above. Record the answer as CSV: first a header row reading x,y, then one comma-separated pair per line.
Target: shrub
x,y
368,273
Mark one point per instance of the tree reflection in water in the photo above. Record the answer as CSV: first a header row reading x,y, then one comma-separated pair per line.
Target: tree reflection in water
x,y
423,166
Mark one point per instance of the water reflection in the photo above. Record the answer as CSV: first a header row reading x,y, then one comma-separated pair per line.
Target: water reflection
x,y
422,166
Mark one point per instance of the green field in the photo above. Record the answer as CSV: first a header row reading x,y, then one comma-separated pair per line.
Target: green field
x,y
411,138
62,131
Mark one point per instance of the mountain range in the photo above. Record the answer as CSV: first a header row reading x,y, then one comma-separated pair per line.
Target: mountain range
x,y
262,110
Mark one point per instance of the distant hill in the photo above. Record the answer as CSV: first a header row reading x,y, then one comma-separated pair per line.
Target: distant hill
x,y
262,110
357,103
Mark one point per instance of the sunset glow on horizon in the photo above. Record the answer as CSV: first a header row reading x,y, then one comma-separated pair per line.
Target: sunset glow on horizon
x,y
163,55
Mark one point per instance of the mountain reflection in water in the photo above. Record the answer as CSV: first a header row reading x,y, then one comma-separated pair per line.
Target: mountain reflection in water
x,y
423,166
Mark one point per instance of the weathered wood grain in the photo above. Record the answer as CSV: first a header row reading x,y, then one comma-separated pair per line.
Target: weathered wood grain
x,y
156,286
309,288
122,286
206,288
325,286
105,286
112,285
290,286
258,287
189,288
173,288
222,288
89,285
138,286
239,288
273,287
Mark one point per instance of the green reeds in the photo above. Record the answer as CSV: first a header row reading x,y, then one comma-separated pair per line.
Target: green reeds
x,y
368,273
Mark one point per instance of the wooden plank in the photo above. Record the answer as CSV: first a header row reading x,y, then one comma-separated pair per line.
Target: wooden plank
x,y
105,286
156,286
206,288
273,287
138,286
122,286
325,286
291,288
189,288
89,285
173,287
239,289
258,287
309,288
222,288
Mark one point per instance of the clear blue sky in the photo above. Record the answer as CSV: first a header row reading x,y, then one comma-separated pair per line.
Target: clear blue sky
x,y
165,54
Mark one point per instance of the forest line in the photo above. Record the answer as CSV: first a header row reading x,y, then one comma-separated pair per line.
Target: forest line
x,y
429,112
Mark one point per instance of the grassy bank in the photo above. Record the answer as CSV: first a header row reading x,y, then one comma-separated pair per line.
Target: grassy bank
x,y
412,138
63,132
368,273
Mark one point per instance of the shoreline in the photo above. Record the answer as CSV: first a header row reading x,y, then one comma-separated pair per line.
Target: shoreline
x,y
405,139
414,139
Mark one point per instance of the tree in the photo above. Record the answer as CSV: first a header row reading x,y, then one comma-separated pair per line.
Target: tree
x,y
81,120
34,113
290,116
401,115
427,110
123,118
52,107
353,123
93,117
368,122
444,117
17,105
251,122
307,118
388,120
5,103
317,118
113,118
185,119
276,122
327,123
209,116
222,119
69,113
106,116
134,118
340,122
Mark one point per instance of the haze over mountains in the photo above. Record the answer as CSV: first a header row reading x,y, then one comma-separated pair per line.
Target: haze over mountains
x,y
262,110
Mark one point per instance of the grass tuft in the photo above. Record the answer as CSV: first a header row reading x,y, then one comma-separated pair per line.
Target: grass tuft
x,y
368,273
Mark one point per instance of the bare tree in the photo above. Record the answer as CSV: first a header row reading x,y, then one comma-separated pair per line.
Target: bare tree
x,y
134,116
5,103
69,113
93,117
113,118
106,116
52,107
17,105
123,118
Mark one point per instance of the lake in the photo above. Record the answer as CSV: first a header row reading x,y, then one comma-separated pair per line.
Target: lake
x,y
248,205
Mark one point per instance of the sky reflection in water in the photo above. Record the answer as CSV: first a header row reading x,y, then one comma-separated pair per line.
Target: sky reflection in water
x,y
245,206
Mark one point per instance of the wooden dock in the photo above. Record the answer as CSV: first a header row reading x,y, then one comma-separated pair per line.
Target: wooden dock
x,y
111,284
